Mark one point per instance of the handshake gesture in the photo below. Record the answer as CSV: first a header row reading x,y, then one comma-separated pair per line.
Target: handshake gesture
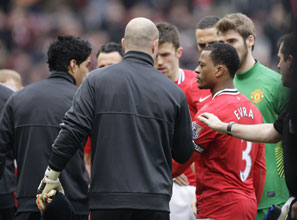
x,y
48,187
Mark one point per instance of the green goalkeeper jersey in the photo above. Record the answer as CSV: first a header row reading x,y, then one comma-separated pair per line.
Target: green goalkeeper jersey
x,y
264,88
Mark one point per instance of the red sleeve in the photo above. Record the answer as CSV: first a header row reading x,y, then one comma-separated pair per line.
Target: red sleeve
x,y
178,169
196,97
202,134
87,149
259,172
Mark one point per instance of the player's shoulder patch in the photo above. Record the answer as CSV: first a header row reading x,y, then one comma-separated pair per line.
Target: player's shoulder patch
x,y
195,130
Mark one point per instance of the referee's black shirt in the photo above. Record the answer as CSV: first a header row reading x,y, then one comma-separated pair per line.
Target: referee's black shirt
x,y
285,126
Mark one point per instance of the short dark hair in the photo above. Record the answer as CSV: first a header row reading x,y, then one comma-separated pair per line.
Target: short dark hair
x,y
110,47
224,54
289,45
207,22
64,49
168,33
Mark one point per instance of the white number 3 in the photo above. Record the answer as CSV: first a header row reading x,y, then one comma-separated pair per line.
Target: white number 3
x,y
245,156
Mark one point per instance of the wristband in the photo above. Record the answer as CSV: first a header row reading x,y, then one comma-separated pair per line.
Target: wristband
x,y
51,174
229,127
197,147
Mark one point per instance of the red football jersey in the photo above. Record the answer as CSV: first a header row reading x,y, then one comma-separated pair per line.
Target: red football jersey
x,y
230,172
186,81
185,77
87,149
196,97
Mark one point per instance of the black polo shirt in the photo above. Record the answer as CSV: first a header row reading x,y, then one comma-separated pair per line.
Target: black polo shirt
x,y
288,129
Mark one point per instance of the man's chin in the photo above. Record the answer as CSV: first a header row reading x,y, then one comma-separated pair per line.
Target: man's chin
x,y
200,86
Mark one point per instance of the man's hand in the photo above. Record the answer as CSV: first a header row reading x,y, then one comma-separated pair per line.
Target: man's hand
x,y
47,188
213,122
294,210
194,206
181,180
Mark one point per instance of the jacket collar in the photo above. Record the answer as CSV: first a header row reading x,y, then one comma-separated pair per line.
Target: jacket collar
x,y
140,57
64,75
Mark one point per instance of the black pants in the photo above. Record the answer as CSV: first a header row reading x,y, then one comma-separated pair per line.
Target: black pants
x,y
37,216
128,214
7,214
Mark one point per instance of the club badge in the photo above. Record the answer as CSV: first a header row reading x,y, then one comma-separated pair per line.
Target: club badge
x,y
195,130
257,96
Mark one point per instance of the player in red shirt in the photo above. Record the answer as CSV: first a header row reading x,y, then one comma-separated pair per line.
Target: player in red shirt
x,y
167,62
230,172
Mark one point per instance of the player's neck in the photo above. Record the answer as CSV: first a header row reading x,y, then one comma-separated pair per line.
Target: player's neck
x,y
175,76
247,64
226,85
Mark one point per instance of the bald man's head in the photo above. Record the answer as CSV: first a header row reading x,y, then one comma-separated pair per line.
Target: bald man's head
x,y
140,35
11,79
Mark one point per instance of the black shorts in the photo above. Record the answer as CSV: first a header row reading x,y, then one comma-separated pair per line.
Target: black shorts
x,y
128,214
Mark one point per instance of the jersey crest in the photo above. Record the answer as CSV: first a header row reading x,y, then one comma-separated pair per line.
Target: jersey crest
x,y
257,96
195,130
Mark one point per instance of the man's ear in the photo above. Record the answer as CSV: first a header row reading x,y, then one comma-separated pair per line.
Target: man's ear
x,y
179,52
123,43
72,66
290,60
155,46
221,69
250,41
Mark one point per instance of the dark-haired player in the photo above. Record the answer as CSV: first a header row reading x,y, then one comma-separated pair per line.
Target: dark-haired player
x,y
230,172
206,32
109,53
30,123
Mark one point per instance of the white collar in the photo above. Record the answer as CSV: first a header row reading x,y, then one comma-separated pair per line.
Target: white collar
x,y
226,91
181,77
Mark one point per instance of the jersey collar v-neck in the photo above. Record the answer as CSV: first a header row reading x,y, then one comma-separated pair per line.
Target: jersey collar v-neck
x,y
226,91
181,77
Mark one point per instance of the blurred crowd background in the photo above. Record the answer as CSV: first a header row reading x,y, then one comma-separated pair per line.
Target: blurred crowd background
x,y
28,26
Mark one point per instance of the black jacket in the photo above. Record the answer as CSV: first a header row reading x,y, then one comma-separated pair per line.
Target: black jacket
x,y
139,120
287,127
29,126
7,178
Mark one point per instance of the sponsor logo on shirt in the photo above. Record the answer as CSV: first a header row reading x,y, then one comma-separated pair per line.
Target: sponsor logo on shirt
x,y
195,130
257,96
203,99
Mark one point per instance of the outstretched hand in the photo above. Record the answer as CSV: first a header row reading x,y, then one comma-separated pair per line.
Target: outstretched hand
x,y
213,122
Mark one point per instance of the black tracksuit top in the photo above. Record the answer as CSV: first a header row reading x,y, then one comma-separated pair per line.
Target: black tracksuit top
x,y
138,120
287,127
8,180
29,126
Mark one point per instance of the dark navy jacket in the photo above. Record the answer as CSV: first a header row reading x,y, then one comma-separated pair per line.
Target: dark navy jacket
x,y
29,126
8,180
138,120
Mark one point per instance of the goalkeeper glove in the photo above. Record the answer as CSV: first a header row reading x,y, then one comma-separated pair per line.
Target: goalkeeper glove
x,y
47,188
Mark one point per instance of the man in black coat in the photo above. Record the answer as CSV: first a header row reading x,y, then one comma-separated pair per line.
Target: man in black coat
x,y
30,123
8,180
138,120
